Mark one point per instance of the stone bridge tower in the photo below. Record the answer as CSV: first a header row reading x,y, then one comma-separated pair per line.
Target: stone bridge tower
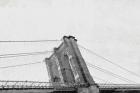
x,y
67,66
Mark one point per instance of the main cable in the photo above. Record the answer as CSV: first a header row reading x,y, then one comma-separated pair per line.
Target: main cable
x,y
110,61
22,41
24,54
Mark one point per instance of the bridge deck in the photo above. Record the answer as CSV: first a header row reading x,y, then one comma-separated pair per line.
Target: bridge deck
x,y
47,87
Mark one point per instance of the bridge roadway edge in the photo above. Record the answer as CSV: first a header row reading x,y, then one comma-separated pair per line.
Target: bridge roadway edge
x,y
38,90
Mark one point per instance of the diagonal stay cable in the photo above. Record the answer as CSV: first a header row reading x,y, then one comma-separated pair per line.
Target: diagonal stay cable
x,y
110,73
102,80
11,66
24,54
106,82
110,62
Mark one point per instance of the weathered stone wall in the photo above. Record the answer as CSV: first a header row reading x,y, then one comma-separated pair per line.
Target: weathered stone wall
x,y
72,65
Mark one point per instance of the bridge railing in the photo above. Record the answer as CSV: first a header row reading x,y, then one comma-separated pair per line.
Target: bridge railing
x,y
119,86
45,85
35,84
25,84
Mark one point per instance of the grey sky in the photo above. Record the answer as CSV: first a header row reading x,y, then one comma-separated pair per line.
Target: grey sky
x,y
108,27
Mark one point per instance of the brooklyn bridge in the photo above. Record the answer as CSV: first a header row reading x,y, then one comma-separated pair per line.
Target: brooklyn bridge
x,y
68,73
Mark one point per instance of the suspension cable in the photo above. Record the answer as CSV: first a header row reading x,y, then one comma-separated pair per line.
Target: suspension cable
x,y
24,54
110,73
110,61
22,41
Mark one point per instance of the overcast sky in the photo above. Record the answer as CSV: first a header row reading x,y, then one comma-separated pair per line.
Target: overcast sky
x,y
110,28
